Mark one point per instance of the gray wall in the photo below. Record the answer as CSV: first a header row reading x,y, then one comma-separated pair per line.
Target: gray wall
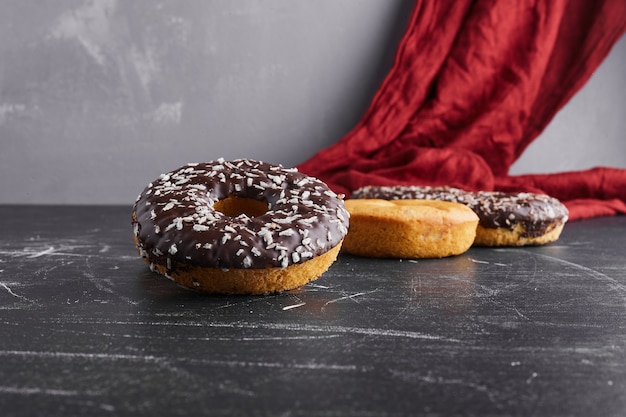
x,y
590,130
98,97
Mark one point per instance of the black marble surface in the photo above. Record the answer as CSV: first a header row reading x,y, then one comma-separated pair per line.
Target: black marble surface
x,y
87,329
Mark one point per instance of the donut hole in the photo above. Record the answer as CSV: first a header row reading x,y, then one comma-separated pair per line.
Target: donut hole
x,y
233,206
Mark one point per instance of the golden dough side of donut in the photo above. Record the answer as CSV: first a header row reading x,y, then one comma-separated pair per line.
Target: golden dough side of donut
x,y
504,237
409,228
251,281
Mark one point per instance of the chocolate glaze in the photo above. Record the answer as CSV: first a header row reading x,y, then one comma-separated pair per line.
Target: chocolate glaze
x,y
175,224
538,213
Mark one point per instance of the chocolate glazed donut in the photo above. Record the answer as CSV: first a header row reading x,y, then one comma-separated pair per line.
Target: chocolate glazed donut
x,y
239,227
506,219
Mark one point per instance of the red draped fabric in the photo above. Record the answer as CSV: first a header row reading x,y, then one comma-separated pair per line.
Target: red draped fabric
x,y
473,83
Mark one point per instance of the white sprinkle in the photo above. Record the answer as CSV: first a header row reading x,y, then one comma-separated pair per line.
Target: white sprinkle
x,y
267,236
177,223
278,179
200,228
307,221
286,220
173,249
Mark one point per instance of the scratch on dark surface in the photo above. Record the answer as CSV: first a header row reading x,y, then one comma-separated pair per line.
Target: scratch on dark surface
x,y
11,292
292,306
297,302
46,391
114,357
77,355
249,301
165,362
235,338
532,377
261,364
520,314
296,327
81,248
42,253
33,253
100,284
45,271
477,261
613,283
438,380
352,297
313,285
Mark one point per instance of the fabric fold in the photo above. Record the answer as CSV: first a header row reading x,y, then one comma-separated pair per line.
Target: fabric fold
x,y
473,83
